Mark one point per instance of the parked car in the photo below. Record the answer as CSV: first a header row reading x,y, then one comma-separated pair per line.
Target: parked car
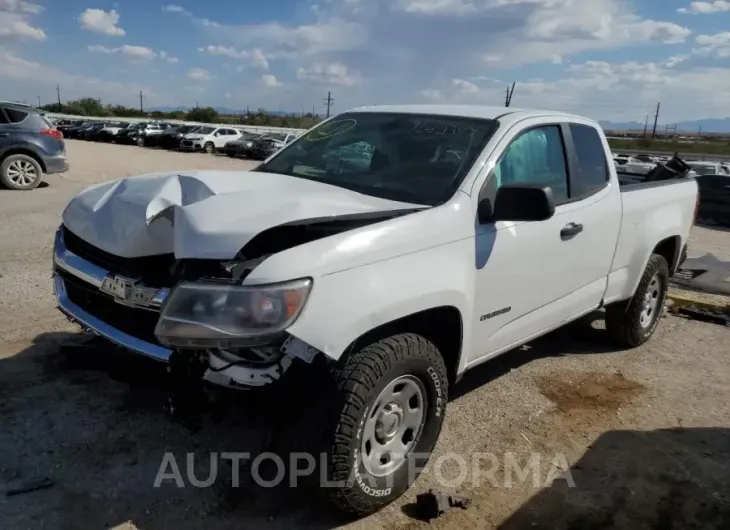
x,y
76,132
241,146
268,144
209,139
170,139
65,125
110,131
145,132
709,168
29,147
129,134
377,285
91,132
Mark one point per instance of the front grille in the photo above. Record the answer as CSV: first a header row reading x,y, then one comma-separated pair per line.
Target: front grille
x,y
155,271
139,323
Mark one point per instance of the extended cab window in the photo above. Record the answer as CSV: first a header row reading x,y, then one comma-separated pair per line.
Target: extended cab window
x,y
590,174
536,156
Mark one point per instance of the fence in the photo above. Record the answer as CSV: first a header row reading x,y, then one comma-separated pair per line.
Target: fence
x,y
261,129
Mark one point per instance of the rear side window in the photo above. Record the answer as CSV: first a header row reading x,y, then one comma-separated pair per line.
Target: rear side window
x,y
591,171
16,116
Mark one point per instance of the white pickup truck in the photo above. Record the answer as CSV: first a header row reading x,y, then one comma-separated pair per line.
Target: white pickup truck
x,y
392,248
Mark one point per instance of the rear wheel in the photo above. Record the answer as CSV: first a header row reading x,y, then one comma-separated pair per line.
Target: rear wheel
x,y
20,172
632,323
390,405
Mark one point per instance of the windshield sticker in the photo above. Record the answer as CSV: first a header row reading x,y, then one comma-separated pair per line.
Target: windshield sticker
x,y
331,129
438,129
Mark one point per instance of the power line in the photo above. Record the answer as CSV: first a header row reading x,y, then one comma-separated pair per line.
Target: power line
x,y
328,101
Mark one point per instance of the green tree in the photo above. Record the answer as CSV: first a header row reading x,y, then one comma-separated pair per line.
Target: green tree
x,y
202,114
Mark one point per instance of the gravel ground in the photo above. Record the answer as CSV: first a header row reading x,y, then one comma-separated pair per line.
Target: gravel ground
x,y
644,432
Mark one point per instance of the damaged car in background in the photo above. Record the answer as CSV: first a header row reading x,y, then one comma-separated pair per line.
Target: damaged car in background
x,y
375,259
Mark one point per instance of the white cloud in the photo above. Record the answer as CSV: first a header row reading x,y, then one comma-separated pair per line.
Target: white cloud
x,y
100,21
463,86
22,77
256,57
717,45
610,91
15,18
199,75
169,58
328,74
138,52
270,81
172,8
705,8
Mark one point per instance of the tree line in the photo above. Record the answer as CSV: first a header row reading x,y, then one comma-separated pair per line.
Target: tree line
x,y
96,108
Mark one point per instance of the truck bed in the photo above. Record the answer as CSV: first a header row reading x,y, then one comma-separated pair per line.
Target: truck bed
x,y
652,212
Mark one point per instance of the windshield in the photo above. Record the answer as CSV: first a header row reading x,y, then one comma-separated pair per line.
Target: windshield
x,y
249,136
413,158
204,130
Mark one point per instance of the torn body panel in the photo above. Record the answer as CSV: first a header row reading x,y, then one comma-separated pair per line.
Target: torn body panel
x,y
204,214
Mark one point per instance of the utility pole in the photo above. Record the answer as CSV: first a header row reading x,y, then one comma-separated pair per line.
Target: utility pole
x,y
646,125
328,102
141,106
58,93
656,119
39,101
508,97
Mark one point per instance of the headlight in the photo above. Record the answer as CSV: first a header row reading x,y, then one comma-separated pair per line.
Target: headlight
x,y
216,315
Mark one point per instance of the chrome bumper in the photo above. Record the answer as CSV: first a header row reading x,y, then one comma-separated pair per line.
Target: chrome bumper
x,y
94,275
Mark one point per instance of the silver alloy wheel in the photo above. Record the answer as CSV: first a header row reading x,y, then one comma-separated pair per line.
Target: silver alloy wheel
x,y
209,148
651,302
22,173
393,425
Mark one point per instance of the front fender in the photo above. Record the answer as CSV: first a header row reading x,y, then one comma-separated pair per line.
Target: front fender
x,y
345,305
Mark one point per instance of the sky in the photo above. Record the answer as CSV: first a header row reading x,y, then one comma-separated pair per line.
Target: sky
x,y
606,59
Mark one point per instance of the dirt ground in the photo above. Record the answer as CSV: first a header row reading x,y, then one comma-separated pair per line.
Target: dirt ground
x,y
644,433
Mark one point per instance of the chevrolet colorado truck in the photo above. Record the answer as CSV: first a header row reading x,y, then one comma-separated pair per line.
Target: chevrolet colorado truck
x,y
393,247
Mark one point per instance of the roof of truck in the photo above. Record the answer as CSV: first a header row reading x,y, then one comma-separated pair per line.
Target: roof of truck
x,y
470,111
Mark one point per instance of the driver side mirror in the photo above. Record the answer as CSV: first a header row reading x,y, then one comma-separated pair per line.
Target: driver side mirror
x,y
518,202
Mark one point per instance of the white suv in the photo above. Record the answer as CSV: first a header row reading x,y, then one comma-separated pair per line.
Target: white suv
x,y
209,139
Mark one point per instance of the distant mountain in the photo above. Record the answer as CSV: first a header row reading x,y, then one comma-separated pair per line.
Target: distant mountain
x,y
220,110
708,125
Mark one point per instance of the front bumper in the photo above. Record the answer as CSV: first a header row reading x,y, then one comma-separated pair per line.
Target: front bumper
x,y
93,275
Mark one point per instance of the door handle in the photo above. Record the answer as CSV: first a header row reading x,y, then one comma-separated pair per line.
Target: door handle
x,y
570,230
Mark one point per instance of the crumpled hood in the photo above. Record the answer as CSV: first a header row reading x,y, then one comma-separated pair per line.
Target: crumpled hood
x,y
204,214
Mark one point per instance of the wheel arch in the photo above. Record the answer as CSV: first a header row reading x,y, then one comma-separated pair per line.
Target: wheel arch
x,y
442,325
23,151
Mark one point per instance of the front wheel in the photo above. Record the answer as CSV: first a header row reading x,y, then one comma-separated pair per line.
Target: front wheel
x,y
391,403
140,141
209,147
632,323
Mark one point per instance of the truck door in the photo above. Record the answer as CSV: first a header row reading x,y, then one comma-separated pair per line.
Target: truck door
x,y
534,276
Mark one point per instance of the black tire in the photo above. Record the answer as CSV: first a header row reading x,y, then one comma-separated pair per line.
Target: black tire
x,y
209,148
15,171
627,322
140,141
359,383
232,155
